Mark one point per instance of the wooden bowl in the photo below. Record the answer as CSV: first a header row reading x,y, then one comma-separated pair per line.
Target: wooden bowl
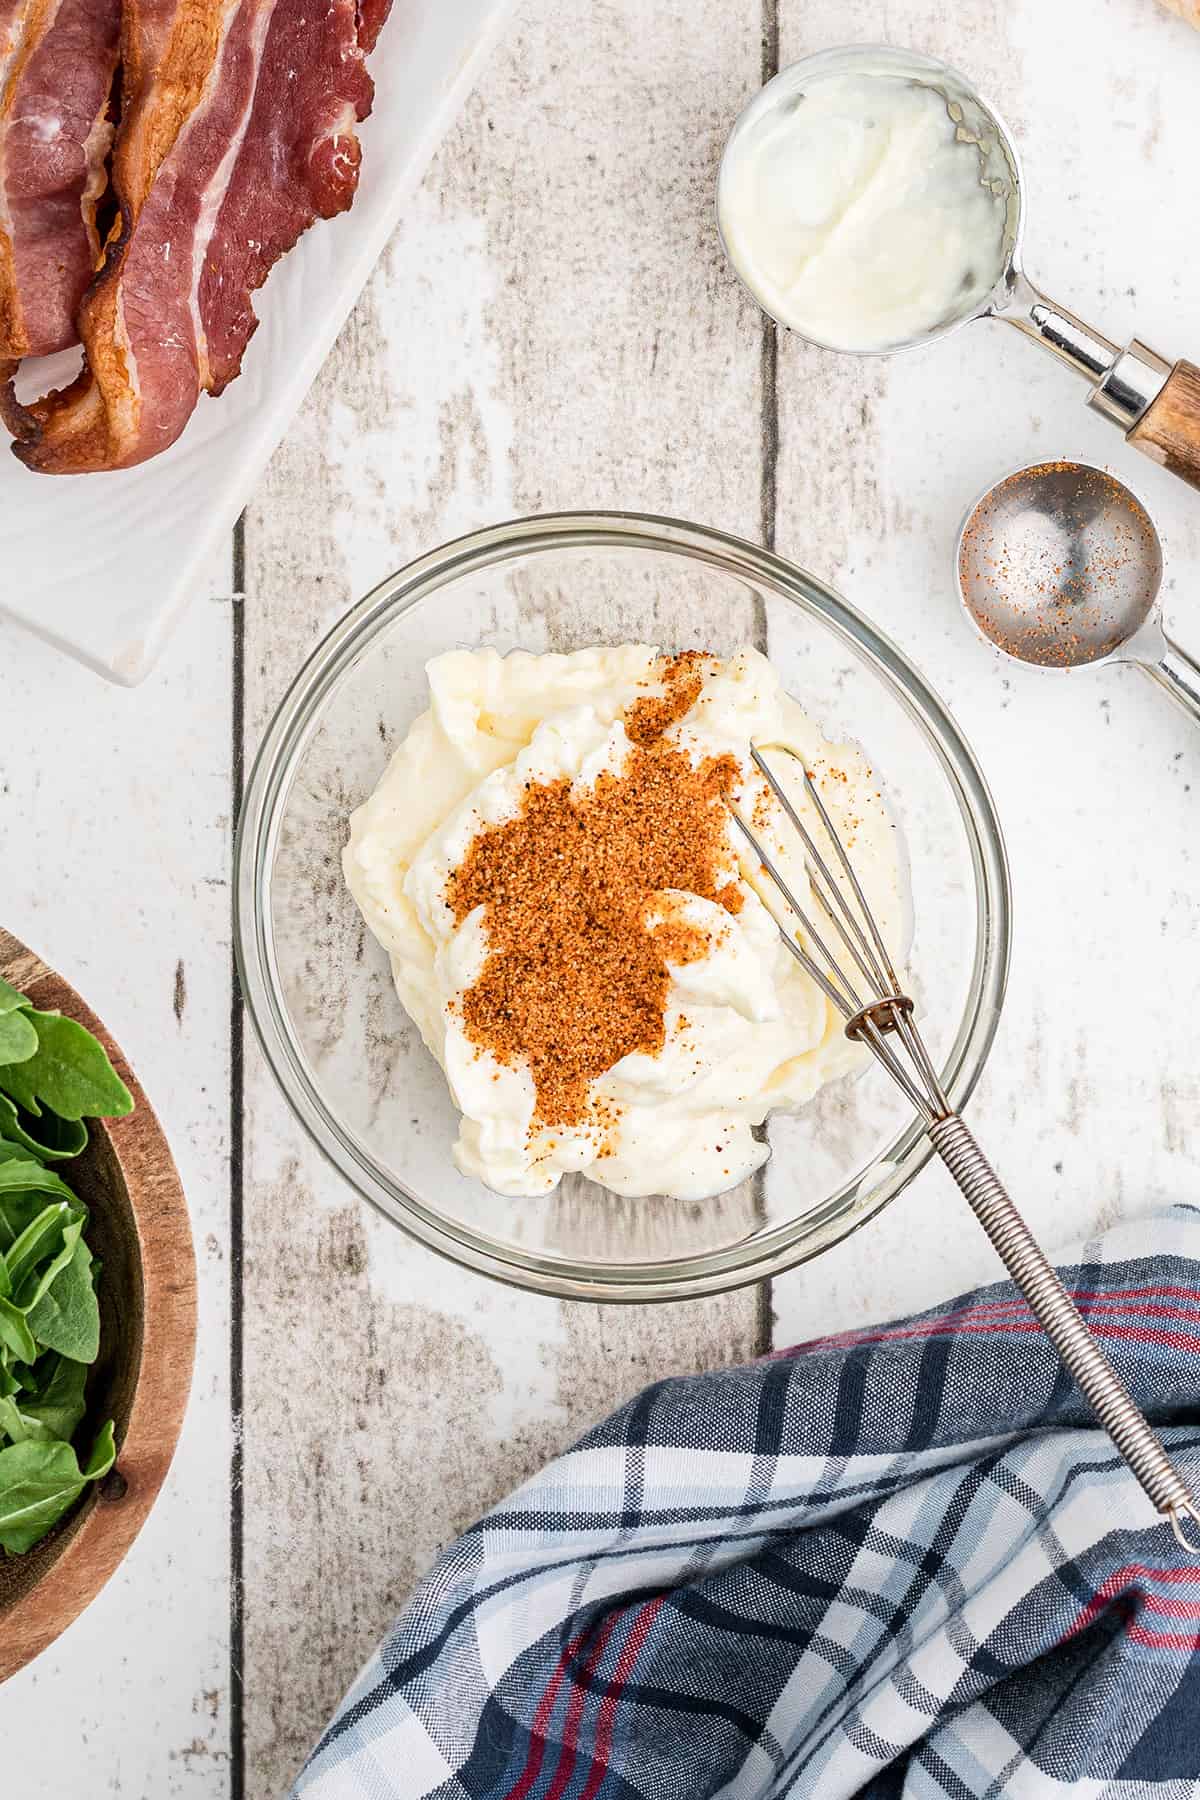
x,y
139,1229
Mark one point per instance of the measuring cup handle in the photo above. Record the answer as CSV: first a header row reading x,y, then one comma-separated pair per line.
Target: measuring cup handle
x,y
1169,430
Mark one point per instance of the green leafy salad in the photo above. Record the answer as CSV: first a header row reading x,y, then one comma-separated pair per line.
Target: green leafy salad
x,y
53,1076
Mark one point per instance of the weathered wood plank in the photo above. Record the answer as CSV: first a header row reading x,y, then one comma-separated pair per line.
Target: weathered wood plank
x,y
552,327
117,846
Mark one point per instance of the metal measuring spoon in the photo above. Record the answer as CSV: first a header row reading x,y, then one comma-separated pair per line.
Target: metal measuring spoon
x,y
1059,565
1154,403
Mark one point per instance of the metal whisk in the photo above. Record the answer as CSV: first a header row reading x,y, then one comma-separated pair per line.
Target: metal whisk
x,y
869,997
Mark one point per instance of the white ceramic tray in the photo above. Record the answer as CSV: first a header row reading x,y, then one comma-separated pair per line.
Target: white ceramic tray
x,y
100,565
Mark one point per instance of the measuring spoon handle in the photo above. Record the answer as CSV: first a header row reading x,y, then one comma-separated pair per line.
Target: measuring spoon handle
x,y
1178,673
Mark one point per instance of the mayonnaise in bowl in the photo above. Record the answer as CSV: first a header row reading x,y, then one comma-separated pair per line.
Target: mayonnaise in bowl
x,y
577,928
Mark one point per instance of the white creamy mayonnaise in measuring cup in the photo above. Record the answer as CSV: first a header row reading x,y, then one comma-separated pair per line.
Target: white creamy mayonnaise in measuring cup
x,y
860,206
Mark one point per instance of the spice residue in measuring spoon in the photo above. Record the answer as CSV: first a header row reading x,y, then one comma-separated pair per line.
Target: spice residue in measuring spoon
x,y
1053,564
862,211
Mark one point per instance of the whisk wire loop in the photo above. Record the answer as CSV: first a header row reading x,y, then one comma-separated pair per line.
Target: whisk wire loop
x,y
870,1018
883,972
836,985
826,888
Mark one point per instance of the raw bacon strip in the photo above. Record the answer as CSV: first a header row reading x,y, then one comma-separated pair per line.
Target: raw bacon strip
x,y
239,130
57,59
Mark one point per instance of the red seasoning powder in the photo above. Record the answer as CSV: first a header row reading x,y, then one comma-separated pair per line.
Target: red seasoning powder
x,y
576,975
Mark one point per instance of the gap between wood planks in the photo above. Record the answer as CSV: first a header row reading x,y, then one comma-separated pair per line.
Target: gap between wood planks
x,y
769,433
237,772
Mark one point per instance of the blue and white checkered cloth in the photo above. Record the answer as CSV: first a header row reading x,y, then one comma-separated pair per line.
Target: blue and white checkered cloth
x,y
899,1562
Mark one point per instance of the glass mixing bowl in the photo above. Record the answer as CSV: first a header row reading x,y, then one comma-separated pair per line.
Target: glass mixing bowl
x,y
318,987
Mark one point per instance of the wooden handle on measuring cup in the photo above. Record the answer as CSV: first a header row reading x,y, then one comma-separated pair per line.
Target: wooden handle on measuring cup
x,y
1169,430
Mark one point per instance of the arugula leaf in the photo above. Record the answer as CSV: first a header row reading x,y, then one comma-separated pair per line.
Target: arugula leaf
x,y
57,1139
56,1399
21,1426
69,1072
104,1454
12,1152
67,1317
18,1211
26,1192
18,1038
16,1337
10,999
34,1243
39,1482
11,1129
31,1178
38,1282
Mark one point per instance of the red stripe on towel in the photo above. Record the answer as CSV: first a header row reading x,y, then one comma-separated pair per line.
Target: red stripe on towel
x,y
608,1706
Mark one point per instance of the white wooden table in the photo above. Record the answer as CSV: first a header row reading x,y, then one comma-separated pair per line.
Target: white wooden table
x,y
552,326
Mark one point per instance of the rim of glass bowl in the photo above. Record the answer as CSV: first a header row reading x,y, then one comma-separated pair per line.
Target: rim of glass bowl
x,y
767,1253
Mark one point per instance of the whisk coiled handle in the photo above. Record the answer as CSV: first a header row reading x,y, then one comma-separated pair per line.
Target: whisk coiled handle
x,y
1059,1318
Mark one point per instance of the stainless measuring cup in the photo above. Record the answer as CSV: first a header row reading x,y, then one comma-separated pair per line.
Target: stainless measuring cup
x,y
1154,403
1059,565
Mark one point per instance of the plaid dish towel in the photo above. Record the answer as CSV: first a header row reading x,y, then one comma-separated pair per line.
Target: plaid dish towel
x,y
899,1562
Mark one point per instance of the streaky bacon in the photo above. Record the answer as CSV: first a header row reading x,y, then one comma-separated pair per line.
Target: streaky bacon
x,y
238,130
57,60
